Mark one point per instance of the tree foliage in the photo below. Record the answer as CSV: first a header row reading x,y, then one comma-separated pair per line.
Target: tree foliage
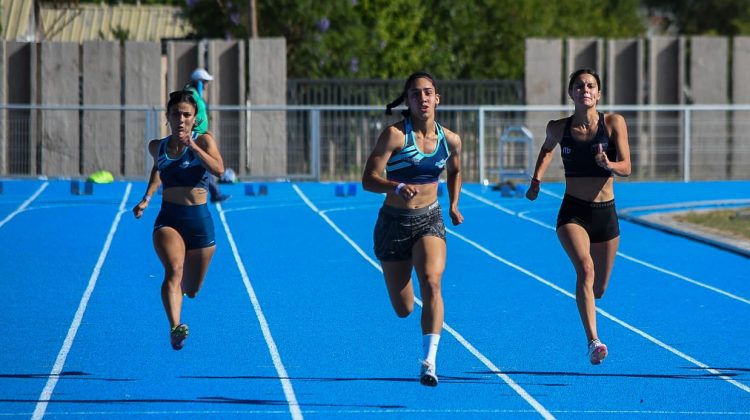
x,y
699,17
473,39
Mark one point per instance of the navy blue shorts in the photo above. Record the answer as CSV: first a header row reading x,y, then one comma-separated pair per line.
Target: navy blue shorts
x,y
599,219
397,230
194,223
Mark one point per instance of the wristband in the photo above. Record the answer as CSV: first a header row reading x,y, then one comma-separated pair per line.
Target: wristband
x,y
147,198
399,187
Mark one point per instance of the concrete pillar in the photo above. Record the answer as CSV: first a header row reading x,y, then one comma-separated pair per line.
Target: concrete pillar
x,y
625,86
544,85
182,59
226,62
666,80
267,139
143,85
101,137
3,113
740,144
19,156
584,52
58,84
625,60
709,84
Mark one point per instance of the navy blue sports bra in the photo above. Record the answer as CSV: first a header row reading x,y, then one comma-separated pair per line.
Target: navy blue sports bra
x,y
410,165
578,156
185,170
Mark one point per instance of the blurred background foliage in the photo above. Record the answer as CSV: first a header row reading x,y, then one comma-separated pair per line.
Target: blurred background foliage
x,y
471,39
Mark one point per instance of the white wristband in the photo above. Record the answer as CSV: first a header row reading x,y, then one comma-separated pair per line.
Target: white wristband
x,y
399,187
146,198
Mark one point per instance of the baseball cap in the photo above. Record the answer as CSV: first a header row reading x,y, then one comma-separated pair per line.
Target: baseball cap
x,y
201,74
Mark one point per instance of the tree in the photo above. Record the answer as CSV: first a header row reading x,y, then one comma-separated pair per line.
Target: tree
x,y
696,17
473,39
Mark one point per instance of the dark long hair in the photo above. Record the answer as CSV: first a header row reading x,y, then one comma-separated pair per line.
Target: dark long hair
x,y
401,98
181,96
585,70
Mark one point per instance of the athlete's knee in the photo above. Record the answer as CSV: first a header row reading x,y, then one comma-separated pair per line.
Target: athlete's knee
x,y
585,270
173,271
599,291
430,285
403,310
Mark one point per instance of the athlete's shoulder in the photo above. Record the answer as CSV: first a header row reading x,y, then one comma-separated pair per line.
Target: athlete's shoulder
x,y
555,128
396,129
153,146
612,118
451,136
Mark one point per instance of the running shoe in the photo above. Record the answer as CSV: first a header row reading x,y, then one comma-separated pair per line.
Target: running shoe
x,y
178,335
597,352
427,375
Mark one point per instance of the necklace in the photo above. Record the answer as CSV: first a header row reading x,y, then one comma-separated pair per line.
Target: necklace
x,y
587,123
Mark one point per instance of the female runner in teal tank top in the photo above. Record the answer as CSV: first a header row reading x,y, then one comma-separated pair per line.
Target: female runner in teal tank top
x,y
183,234
409,233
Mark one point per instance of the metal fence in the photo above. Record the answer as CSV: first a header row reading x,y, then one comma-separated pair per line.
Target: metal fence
x,y
691,142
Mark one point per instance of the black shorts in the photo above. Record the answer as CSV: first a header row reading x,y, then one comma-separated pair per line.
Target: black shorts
x,y
599,219
397,230
193,223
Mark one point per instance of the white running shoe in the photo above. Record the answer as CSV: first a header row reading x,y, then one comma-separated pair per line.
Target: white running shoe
x,y
597,352
427,375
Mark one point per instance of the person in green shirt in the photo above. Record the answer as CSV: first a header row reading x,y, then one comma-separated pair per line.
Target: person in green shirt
x,y
198,81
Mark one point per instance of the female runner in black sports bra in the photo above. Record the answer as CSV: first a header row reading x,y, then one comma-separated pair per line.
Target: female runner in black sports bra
x,y
594,147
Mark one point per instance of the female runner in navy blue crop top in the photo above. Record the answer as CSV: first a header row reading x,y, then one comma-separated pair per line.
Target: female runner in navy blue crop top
x,y
183,233
409,232
594,147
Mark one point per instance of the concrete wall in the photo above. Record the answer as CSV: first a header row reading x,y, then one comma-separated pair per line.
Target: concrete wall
x,y
583,52
228,58
666,79
709,84
102,147
544,85
103,101
656,71
59,84
143,79
740,145
19,151
268,139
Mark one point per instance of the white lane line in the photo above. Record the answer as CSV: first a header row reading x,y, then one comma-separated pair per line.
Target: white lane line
x,y
620,254
382,411
286,383
25,204
685,278
54,376
507,379
604,313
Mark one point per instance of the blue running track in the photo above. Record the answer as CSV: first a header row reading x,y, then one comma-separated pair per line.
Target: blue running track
x,y
294,319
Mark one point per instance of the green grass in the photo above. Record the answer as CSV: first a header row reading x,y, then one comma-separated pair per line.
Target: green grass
x,y
726,221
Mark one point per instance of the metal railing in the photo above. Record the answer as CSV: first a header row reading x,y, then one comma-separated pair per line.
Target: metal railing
x,y
319,142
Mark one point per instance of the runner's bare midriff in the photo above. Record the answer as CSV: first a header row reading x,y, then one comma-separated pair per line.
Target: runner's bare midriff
x,y
186,196
592,189
426,195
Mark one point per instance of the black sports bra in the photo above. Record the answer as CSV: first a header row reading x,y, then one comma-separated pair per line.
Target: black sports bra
x,y
578,156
